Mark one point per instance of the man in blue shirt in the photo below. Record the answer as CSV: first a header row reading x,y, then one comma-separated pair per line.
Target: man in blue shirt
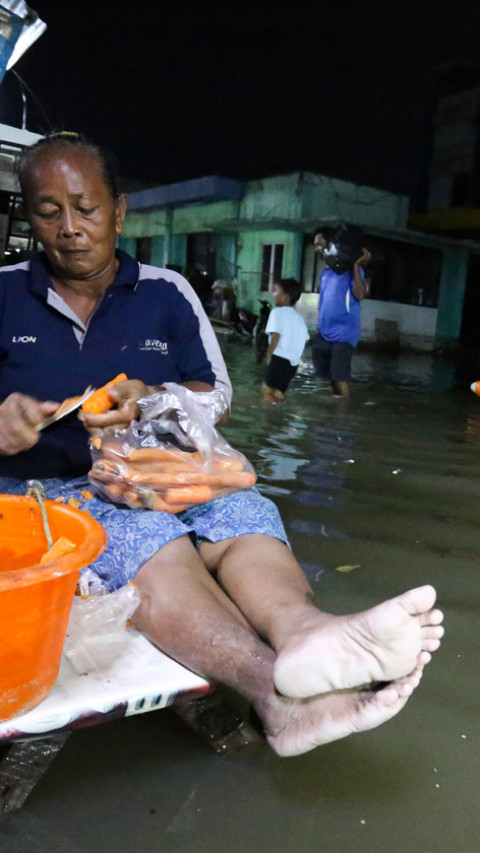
x,y
338,323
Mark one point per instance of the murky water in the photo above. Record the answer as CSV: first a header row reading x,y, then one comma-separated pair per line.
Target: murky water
x,y
388,482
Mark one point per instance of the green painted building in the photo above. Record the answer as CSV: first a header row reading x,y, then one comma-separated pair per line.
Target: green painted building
x,y
251,233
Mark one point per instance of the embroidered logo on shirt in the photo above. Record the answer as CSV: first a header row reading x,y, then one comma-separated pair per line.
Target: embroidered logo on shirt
x,y
24,339
152,344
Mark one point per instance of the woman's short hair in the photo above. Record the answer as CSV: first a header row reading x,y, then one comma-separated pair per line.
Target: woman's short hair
x,y
65,140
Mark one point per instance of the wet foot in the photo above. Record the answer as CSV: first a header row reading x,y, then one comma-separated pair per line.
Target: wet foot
x,y
309,723
339,652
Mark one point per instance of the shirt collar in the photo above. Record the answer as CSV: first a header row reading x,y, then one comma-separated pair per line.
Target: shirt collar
x,y
40,273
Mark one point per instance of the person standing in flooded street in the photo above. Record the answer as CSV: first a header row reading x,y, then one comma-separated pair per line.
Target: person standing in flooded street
x,y
342,287
287,337
221,591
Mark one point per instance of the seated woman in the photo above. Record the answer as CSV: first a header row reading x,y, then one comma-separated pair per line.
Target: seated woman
x,y
78,314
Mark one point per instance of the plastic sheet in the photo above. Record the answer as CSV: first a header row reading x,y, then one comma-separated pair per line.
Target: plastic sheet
x,y
97,629
171,458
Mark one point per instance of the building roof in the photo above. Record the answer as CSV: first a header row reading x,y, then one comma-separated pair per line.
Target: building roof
x,y
207,189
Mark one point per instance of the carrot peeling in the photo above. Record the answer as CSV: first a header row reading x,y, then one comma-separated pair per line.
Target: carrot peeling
x,y
99,401
59,548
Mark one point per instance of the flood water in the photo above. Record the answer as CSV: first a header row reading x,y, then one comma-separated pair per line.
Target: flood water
x,y
387,482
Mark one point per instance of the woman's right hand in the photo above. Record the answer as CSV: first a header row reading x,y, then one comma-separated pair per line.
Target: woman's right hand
x,y
19,417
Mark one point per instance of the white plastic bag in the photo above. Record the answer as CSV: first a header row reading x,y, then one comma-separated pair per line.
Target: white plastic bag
x,y
171,458
97,631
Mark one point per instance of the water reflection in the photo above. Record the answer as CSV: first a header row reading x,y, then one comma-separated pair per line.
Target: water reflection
x,y
388,481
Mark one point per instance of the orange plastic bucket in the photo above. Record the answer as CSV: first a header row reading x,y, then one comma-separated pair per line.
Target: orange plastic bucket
x,y
35,600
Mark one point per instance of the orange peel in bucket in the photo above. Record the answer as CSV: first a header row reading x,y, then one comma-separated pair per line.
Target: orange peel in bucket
x,y
59,548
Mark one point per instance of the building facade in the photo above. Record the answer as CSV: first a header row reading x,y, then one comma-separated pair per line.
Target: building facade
x,y
252,233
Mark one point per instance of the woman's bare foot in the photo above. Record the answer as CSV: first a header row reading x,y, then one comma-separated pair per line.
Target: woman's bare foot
x,y
299,725
338,652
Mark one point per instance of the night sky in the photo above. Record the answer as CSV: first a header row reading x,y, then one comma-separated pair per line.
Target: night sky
x,y
182,89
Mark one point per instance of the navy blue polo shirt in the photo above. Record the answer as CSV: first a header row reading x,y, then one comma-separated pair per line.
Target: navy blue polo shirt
x,y
150,325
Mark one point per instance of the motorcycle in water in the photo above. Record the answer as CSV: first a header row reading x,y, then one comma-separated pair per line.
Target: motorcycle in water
x,y
250,327
260,336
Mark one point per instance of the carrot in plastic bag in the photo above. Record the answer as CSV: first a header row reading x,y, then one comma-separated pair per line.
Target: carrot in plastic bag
x,y
156,502
188,494
154,455
171,477
99,401
132,498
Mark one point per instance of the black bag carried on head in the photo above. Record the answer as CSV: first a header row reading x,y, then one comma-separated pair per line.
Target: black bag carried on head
x,y
344,248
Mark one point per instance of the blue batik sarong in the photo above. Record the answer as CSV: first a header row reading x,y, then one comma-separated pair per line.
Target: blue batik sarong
x,y
134,535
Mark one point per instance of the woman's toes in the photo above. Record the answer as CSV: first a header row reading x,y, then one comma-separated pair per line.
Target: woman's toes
x,y
431,645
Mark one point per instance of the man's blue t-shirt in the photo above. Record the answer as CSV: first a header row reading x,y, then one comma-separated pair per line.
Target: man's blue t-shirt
x,y
339,309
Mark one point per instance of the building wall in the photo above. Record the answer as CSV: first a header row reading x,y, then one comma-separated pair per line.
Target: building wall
x,y
272,198
416,325
296,202
183,220
249,262
328,197
452,290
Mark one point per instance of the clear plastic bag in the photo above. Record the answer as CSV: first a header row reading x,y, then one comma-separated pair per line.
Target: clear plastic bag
x,y
97,630
173,457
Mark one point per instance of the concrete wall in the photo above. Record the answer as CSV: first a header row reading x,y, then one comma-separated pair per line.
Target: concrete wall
x,y
249,262
452,291
184,220
328,197
416,324
272,198
296,201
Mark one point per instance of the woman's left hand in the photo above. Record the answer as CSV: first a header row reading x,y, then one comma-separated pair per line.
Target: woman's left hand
x,y
124,397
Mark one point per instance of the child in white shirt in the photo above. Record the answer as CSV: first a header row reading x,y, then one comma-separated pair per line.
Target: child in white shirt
x,y
288,335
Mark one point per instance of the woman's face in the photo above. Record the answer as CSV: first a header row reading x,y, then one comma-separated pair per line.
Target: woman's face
x,y
73,214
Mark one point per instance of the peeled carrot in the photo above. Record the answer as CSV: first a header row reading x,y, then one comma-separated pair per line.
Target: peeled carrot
x,y
188,495
164,479
152,500
174,468
236,479
99,401
59,548
132,498
229,463
162,454
114,491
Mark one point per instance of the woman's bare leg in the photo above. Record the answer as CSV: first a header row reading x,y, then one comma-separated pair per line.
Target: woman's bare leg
x,y
186,614
318,652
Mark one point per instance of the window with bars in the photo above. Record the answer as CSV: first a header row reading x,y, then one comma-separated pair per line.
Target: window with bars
x,y
272,264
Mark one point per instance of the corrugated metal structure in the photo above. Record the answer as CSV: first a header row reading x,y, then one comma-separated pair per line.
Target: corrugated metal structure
x,y
15,237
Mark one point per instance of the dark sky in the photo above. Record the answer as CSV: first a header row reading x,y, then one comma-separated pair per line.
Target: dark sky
x,y
185,88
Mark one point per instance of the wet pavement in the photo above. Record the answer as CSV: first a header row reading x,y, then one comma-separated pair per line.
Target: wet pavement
x,y
387,482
